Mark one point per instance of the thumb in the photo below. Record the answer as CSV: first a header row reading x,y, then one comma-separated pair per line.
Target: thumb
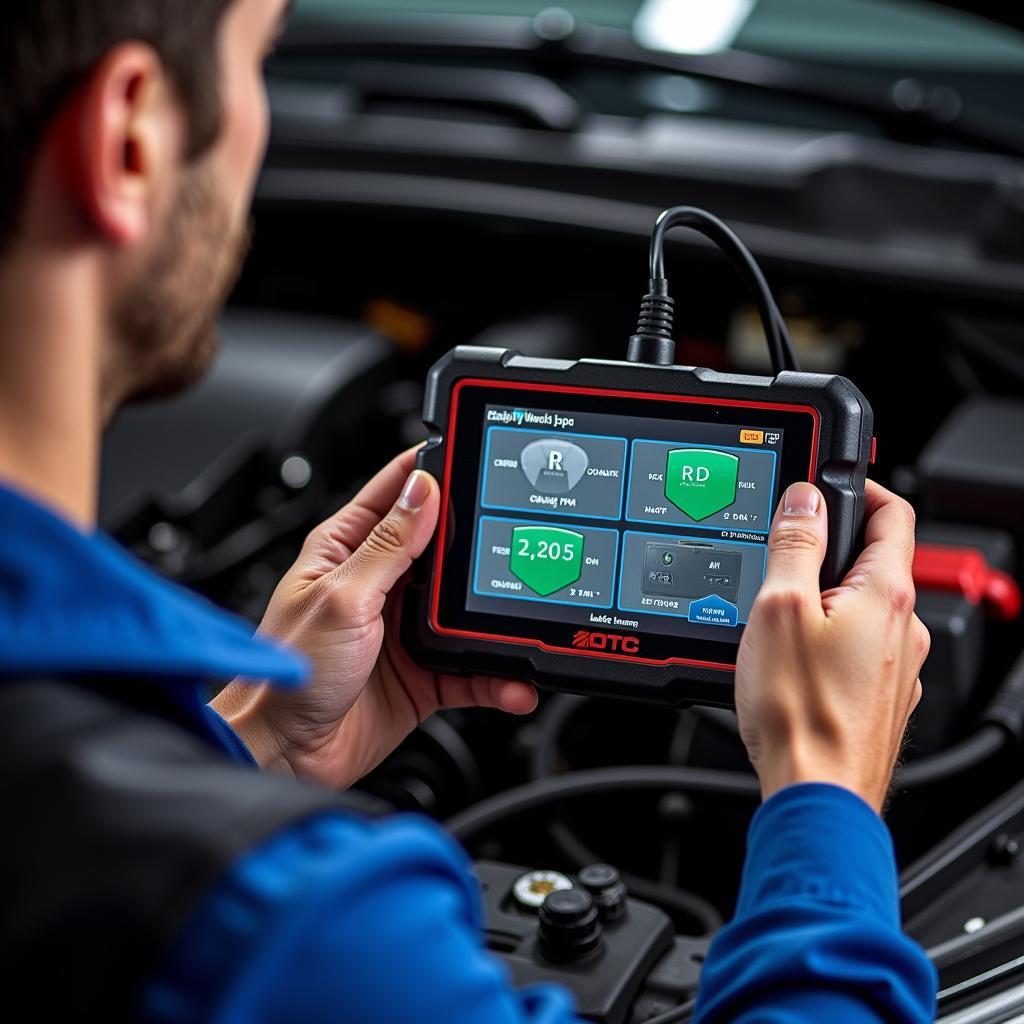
x,y
796,545
392,545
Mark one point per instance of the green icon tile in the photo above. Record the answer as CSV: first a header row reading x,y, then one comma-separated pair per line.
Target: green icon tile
x,y
546,558
700,482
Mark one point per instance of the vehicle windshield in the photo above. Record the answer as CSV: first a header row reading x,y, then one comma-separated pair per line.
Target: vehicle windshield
x,y
910,33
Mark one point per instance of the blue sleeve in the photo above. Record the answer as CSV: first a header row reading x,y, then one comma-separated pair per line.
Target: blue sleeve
x,y
339,920
817,935
227,738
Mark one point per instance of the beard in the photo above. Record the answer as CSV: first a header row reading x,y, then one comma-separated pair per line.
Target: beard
x,y
165,327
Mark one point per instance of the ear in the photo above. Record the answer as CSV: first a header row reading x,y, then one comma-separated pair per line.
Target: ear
x,y
120,142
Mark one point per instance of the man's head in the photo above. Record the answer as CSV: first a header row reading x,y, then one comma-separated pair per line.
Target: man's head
x,y
131,132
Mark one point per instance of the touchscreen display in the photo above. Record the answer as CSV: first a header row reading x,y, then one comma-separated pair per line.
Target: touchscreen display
x,y
647,517
611,521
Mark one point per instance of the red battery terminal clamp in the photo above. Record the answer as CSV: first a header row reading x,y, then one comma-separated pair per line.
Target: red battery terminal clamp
x,y
966,571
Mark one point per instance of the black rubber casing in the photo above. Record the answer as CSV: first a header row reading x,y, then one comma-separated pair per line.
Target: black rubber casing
x,y
844,450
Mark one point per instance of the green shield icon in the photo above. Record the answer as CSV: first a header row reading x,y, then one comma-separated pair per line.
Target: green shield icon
x,y
546,558
701,482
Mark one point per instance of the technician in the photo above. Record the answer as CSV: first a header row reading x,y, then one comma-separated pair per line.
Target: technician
x,y
152,873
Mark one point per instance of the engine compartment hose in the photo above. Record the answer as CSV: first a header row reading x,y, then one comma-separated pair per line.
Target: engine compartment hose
x,y
597,782
988,741
1006,708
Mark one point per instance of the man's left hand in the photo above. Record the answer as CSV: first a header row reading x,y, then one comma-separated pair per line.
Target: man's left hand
x,y
339,605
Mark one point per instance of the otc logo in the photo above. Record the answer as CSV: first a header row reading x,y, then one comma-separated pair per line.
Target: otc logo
x,y
613,642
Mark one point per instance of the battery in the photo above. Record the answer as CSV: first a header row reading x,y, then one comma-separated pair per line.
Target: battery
x,y
691,570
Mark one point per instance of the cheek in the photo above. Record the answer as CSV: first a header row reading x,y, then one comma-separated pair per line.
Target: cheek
x,y
244,139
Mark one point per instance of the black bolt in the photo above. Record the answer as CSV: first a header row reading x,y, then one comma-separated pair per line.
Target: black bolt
x,y
568,905
569,928
603,883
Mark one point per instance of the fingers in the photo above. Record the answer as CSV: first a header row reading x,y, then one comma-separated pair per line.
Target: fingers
x,y
796,545
890,523
334,540
515,698
484,692
885,566
389,549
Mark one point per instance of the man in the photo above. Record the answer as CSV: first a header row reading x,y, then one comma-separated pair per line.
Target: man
x,y
153,874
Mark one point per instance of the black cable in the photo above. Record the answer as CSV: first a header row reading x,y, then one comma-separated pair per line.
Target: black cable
x,y
683,734
653,341
596,782
1002,723
673,812
707,224
723,720
448,739
557,710
988,741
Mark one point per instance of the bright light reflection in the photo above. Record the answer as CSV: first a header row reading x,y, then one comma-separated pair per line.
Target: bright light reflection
x,y
691,26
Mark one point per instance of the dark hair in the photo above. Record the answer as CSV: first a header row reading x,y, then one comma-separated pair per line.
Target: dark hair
x,y
49,47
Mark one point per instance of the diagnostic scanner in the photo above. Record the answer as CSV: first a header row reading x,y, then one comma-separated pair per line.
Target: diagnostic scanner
x,y
604,524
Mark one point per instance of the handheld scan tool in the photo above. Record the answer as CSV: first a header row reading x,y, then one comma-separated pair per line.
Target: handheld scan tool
x,y
604,524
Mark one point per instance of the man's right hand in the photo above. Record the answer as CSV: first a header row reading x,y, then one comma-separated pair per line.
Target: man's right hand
x,y
825,683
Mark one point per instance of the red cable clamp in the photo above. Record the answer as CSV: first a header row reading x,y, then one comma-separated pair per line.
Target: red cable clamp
x,y
966,571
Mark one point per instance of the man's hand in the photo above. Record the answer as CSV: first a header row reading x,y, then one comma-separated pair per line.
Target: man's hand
x,y
339,605
825,683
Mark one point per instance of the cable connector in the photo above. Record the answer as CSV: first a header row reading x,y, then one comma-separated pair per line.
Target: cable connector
x,y
654,341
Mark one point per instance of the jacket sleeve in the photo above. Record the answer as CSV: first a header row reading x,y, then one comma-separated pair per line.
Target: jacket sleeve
x,y
341,920
817,935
